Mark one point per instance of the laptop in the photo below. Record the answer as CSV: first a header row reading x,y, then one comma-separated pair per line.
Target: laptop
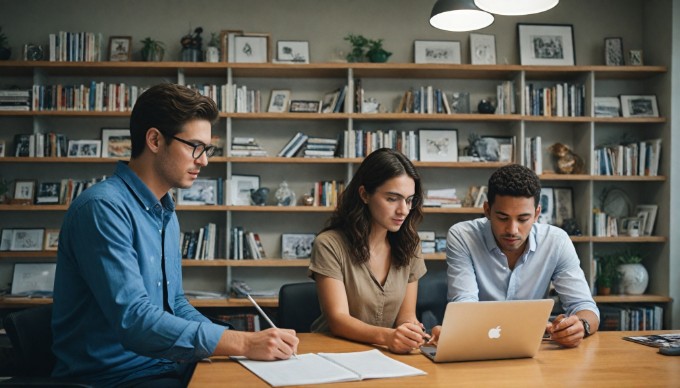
x,y
490,330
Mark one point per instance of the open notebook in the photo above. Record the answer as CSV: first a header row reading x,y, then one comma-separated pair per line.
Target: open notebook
x,y
311,368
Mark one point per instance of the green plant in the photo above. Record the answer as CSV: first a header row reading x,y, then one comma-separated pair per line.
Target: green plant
x,y
152,49
214,40
629,257
608,273
364,49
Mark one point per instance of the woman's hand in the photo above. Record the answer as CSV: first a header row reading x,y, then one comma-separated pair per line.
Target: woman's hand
x,y
407,337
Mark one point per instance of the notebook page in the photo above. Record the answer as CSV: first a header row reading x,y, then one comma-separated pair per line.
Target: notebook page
x,y
306,369
372,364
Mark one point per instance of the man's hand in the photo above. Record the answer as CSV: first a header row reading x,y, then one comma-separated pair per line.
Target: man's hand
x,y
436,331
566,331
271,344
406,337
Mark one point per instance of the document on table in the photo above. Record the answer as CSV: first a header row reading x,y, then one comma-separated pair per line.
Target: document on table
x,y
321,368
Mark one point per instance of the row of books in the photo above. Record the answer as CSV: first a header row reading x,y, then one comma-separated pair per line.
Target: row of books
x,y
533,154
630,317
242,322
199,244
325,193
245,245
505,96
562,99
424,99
359,143
40,145
246,146
15,99
75,46
641,158
334,101
232,98
604,225
97,96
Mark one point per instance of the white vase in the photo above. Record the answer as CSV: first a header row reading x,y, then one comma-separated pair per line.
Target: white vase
x,y
634,279
212,54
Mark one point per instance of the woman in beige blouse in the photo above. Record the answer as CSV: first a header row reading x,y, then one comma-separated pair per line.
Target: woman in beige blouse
x,y
365,262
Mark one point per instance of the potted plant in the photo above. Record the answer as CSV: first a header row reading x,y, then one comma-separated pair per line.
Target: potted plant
x,y
376,53
634,276
5,50
608,274
153,50
366,50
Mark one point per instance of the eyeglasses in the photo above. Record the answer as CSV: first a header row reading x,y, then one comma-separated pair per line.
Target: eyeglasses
x,y
199,148
411,202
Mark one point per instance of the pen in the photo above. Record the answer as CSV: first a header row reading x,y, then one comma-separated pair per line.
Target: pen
x,y
265,316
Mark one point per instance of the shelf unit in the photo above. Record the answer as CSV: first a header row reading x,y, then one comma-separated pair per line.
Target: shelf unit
x,y
386,82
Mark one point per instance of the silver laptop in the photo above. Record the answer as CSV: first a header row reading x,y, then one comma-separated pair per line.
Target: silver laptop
x,y
490,330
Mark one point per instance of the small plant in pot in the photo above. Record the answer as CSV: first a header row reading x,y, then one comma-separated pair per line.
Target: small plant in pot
x,y
5,50
153,50
376,53
608,274
366,50
634,276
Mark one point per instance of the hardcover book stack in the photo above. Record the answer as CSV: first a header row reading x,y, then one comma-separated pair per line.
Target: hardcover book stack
x,y
246,146
325,193
98,96
293,146
245,245
318,147
40,145
640,158
200,244
15,99
359,143
558,100
75,47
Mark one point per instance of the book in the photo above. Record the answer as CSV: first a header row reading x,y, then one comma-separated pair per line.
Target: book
x,y
319,368
656,340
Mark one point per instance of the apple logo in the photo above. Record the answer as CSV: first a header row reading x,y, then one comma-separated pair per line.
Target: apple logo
x,y
495,332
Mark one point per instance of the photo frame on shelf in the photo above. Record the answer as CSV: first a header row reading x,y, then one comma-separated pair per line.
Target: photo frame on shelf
x,y
564,204
606,107
6,239
546,44
240,188
24,192
460,102
639,106
227,43
84,148
613,51
116,143
438,145
27,240
292,51
437,51
482,49
648,213
630,226
278,101
33,278
51,239
496,148
305,106
202,192
635,57
48,193
252,48
547,202
297,245
2,148
120,48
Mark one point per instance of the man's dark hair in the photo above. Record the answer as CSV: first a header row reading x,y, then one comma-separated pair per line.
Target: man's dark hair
x,y
167,107
514,181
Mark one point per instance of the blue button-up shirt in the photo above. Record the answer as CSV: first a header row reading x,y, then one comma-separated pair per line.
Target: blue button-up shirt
x,y
478,269
109,324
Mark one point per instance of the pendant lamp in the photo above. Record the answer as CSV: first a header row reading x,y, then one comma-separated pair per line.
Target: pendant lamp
x,y
516,7
459,15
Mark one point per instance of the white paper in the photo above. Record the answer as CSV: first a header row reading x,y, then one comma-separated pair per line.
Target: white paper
x,y
372,364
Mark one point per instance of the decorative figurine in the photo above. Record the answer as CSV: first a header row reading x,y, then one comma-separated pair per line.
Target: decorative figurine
x,y
486,106
284,195
566,161
259,197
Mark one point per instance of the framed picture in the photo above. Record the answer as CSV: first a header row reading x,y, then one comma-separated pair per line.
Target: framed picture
x,y
647,213
639,106
496,148
546,44
482,49
305,106
240,188
460,102
547,206
84,148
33,278
24,192
635,57
120,48
251,48
438,145
27,240
564,204
613,52
228,45
630,226
2,148
116,143
6,239
48,193
202,192
51,239
293,51
296,246
436,51
278,101
606,107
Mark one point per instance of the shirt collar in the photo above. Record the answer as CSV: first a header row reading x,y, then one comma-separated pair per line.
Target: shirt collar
x,y
140,190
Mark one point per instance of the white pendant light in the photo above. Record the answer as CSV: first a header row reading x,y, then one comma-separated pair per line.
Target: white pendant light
x,y
516,7
459,15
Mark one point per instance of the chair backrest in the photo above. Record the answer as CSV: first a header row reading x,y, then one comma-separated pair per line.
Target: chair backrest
x,y
298,306
431,302
30,332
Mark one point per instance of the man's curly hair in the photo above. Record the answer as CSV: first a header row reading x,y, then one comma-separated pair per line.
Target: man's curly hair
x,y
514,180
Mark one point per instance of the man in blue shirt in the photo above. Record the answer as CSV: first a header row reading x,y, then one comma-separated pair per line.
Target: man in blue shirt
x,y
120,317
508,256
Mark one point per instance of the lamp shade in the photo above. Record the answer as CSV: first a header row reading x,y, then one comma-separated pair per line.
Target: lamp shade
x,y
516,7
459,15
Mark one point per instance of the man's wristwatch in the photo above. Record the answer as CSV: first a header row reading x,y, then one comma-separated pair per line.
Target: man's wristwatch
x,y
586,327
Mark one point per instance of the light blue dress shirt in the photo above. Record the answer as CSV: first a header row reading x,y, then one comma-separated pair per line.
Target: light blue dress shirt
x,y
478,270
109,323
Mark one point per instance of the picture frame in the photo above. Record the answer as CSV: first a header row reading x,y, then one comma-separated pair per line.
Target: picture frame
x,y
547,203
292,51
252,48
84,148
278,101
305,106
240,186
564,204
329,101
48,193
116,143
120,48
27,240
33,279
546,44
482,49
227,42
635,57
6,239
51,240
24,192
297,245
202,192
630,226
2,148
648,212
639,106
496,149
438,145
606,107
613,51
437,51
460,102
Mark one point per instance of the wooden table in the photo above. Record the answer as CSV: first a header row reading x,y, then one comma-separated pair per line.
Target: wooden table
x,y
603,360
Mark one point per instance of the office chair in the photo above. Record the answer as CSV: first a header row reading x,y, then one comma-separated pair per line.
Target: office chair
x,y
298,306
431,302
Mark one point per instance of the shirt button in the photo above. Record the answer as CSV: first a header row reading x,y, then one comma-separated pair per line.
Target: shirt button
x,y
147,208
159,284
160,230
168,282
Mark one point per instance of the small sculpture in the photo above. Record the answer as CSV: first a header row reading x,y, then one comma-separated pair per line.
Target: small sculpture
x,y
284,195
566,161
485,107
259,197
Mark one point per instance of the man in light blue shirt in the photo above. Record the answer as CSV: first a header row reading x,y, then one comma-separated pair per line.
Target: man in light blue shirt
x,y
120,317
508,256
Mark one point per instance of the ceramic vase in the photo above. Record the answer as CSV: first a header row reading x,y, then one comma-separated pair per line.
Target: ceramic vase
x,y
634,279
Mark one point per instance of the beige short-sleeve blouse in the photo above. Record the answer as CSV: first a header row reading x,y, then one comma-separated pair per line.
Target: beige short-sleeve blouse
x,y
368,301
